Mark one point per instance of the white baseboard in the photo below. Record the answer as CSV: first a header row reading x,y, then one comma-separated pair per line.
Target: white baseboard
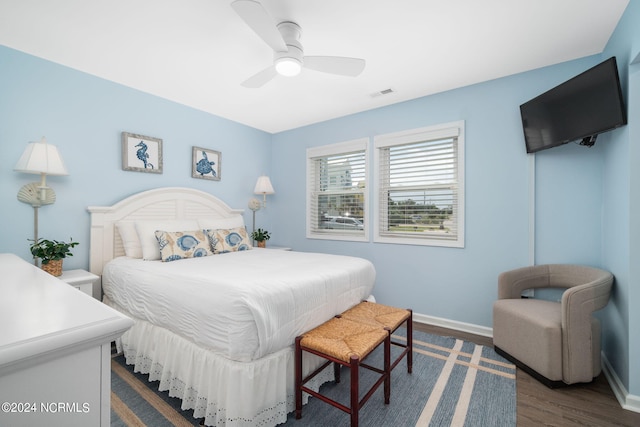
x,y
452,324
628,401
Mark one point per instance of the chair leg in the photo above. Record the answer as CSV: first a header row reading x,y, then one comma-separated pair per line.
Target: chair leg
x,y
336,372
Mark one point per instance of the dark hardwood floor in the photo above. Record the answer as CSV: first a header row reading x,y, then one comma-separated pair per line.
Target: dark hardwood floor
x,y
592,404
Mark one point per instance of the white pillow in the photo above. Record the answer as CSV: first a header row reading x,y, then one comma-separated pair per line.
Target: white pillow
x,y
147,234
234,221
130,240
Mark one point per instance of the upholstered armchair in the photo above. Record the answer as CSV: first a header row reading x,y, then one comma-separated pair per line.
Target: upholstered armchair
x,y
556,342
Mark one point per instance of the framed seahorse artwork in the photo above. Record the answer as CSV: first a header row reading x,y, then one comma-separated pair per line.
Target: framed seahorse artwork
x,y
205,163
141,153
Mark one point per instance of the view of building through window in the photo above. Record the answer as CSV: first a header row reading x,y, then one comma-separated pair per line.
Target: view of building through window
x,y
340,197
337,190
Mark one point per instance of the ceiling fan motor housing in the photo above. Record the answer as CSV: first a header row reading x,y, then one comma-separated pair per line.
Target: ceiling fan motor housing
x,y
289,63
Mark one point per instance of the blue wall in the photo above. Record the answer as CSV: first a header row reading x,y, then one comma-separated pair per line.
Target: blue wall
x,y
587,201
621,213
83,116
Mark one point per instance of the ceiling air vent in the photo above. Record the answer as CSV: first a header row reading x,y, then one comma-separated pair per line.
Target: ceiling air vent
x,y
382,92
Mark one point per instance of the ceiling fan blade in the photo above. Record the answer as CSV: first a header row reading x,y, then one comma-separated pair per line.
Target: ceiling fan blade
x,y
335,65
261,78
257,18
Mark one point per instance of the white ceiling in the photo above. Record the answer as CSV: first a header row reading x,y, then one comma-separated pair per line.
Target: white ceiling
x,y
197,52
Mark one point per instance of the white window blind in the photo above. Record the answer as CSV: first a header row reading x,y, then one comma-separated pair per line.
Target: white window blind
x,y
336,191
419,187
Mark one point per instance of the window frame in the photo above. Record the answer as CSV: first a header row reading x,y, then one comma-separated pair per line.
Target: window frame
x,y
337,149
429,133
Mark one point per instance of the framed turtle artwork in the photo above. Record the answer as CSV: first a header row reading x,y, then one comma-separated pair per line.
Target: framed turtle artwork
x,y
205,163
141,153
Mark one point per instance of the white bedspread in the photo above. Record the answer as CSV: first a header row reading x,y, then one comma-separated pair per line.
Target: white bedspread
x,y
241,305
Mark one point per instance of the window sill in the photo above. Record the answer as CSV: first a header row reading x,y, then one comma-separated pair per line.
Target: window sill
x,y
419,242
338,237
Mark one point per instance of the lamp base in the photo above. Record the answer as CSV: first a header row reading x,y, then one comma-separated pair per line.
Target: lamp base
x,y
35,195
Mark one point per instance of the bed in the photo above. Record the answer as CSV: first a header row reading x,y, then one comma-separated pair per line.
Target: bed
x,y
216,331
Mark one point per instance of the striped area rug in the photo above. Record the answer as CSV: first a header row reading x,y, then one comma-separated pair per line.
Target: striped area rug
x,y
454,383
136,402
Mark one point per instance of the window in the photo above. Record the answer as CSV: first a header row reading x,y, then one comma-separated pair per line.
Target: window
x,y
419,187
337,191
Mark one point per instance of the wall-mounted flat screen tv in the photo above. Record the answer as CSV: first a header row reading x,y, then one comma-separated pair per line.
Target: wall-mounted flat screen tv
x,y
576,110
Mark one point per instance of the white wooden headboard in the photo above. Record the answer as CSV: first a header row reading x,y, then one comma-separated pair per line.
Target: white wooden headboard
x,y
157,204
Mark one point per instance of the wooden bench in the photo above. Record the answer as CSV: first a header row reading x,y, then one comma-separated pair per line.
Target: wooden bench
x,y
346,340
385,316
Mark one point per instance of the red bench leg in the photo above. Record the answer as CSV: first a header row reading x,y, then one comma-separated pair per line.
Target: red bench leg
x,y
410,341
355,390
387,367
298,378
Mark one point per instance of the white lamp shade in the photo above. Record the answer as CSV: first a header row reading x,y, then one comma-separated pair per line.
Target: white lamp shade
x,y
263,186
40,157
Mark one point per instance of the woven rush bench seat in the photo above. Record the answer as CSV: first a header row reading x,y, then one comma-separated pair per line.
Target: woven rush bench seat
x,y
346,340
385,316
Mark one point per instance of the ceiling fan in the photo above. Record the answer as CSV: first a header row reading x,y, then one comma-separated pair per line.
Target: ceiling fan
x,y
288,54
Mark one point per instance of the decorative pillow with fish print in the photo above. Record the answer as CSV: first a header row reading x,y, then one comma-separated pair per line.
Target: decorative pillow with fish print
x,y
229,240
175,245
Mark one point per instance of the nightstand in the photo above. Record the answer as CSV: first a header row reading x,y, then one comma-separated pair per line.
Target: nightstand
x,y
278,248
80,279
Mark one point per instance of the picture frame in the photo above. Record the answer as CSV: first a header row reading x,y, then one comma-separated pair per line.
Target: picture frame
x,y
206,163
141,153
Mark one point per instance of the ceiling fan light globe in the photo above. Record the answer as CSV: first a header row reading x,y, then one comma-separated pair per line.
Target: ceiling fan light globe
x,y
288,67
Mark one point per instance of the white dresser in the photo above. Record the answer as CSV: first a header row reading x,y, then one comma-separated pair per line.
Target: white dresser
x,y
55,350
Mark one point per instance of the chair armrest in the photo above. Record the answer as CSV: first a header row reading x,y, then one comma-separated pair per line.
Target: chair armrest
x,y
512,283
578,304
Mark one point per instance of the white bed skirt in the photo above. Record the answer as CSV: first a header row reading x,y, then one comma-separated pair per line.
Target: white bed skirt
x,y
225,392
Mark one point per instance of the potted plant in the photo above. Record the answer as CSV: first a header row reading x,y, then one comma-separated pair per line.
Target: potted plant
x,y
261,236
51,254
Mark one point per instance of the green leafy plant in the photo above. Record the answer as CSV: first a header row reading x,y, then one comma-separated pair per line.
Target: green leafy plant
x,y
50,250
260,235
